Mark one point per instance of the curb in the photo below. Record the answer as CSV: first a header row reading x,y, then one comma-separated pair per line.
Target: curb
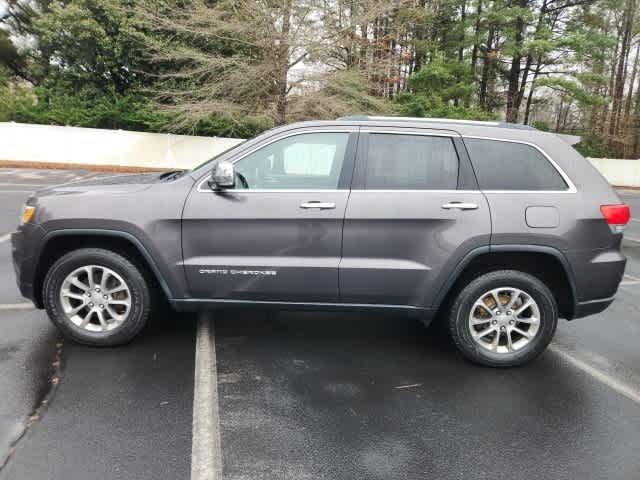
x,y
80,166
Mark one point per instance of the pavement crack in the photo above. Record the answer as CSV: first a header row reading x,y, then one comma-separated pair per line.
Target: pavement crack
x,y
55,376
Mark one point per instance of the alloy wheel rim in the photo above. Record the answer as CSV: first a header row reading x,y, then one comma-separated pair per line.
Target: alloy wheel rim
x,y
504,320
95,298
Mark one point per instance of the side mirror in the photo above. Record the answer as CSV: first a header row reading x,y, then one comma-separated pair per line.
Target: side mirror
x,y
223,176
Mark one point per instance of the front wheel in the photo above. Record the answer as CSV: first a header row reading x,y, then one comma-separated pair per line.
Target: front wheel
x,y
503,319
97,297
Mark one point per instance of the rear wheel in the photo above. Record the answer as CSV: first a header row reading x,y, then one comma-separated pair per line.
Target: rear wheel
x,y
97,297
503,319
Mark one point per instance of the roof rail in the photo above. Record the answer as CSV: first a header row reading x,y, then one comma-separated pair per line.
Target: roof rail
x,y
436,120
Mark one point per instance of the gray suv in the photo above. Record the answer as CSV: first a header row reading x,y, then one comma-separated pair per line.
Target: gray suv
x,y
496,230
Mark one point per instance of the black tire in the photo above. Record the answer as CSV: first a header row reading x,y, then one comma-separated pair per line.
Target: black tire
x,y
141,298
458,321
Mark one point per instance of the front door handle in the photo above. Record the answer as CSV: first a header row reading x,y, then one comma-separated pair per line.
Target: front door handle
x,y
460,206
318,205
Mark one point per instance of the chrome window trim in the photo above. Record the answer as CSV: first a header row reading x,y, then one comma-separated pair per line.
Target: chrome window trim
x,y
359,190
415,190
284,135
401,131
571,186
277,190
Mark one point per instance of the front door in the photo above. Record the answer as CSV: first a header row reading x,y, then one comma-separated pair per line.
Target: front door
x,y
413,214
277,236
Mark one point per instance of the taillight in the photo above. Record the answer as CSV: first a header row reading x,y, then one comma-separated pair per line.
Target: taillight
x,y
617,216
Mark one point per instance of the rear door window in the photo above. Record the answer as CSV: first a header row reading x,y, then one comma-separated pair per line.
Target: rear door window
x,y
410,162
501,165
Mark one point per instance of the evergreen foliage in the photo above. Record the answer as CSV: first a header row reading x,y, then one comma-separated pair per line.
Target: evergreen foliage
x,y
237,67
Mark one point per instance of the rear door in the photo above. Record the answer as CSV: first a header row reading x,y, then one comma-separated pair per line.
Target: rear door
x,y
413,213
277,236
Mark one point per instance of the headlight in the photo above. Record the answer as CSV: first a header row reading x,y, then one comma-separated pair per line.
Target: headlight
x,y
27,214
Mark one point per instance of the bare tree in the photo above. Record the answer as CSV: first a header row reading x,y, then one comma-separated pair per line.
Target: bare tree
x,y
243,59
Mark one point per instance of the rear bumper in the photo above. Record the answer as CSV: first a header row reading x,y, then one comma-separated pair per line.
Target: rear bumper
x,y
597,277
591,307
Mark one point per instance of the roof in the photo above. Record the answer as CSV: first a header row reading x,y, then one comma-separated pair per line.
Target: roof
x,y
465,128
515,131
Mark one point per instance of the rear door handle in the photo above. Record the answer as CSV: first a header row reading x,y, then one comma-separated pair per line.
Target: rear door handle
x,y
460,206
318,205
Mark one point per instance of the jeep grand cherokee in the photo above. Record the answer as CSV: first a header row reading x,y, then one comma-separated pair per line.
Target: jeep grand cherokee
x,y
495,229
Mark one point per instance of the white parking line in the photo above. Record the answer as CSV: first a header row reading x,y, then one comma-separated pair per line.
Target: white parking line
x,y
632,280
5,237
635,220
206,452
622,388
36,185
16,306
632,239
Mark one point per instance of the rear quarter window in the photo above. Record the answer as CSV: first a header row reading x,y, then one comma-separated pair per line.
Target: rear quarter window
x,y
503,165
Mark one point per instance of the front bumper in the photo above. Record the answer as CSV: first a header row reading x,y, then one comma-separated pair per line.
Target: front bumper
x,y
25,250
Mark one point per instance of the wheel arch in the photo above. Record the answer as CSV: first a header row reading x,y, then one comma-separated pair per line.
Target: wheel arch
x,y
546,263
59,242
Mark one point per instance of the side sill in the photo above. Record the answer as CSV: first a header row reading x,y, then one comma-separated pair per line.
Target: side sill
x,y
196,304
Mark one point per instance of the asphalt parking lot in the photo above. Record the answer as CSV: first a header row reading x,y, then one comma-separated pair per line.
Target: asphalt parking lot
x,y
312,395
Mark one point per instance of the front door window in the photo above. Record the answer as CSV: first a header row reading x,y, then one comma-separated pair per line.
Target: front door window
x,y
307,161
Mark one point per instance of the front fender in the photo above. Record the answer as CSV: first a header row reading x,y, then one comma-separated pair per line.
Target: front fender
x,y
169,281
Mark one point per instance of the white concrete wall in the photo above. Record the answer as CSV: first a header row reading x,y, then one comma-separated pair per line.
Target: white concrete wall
x,y
623,173
74,145
89,146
